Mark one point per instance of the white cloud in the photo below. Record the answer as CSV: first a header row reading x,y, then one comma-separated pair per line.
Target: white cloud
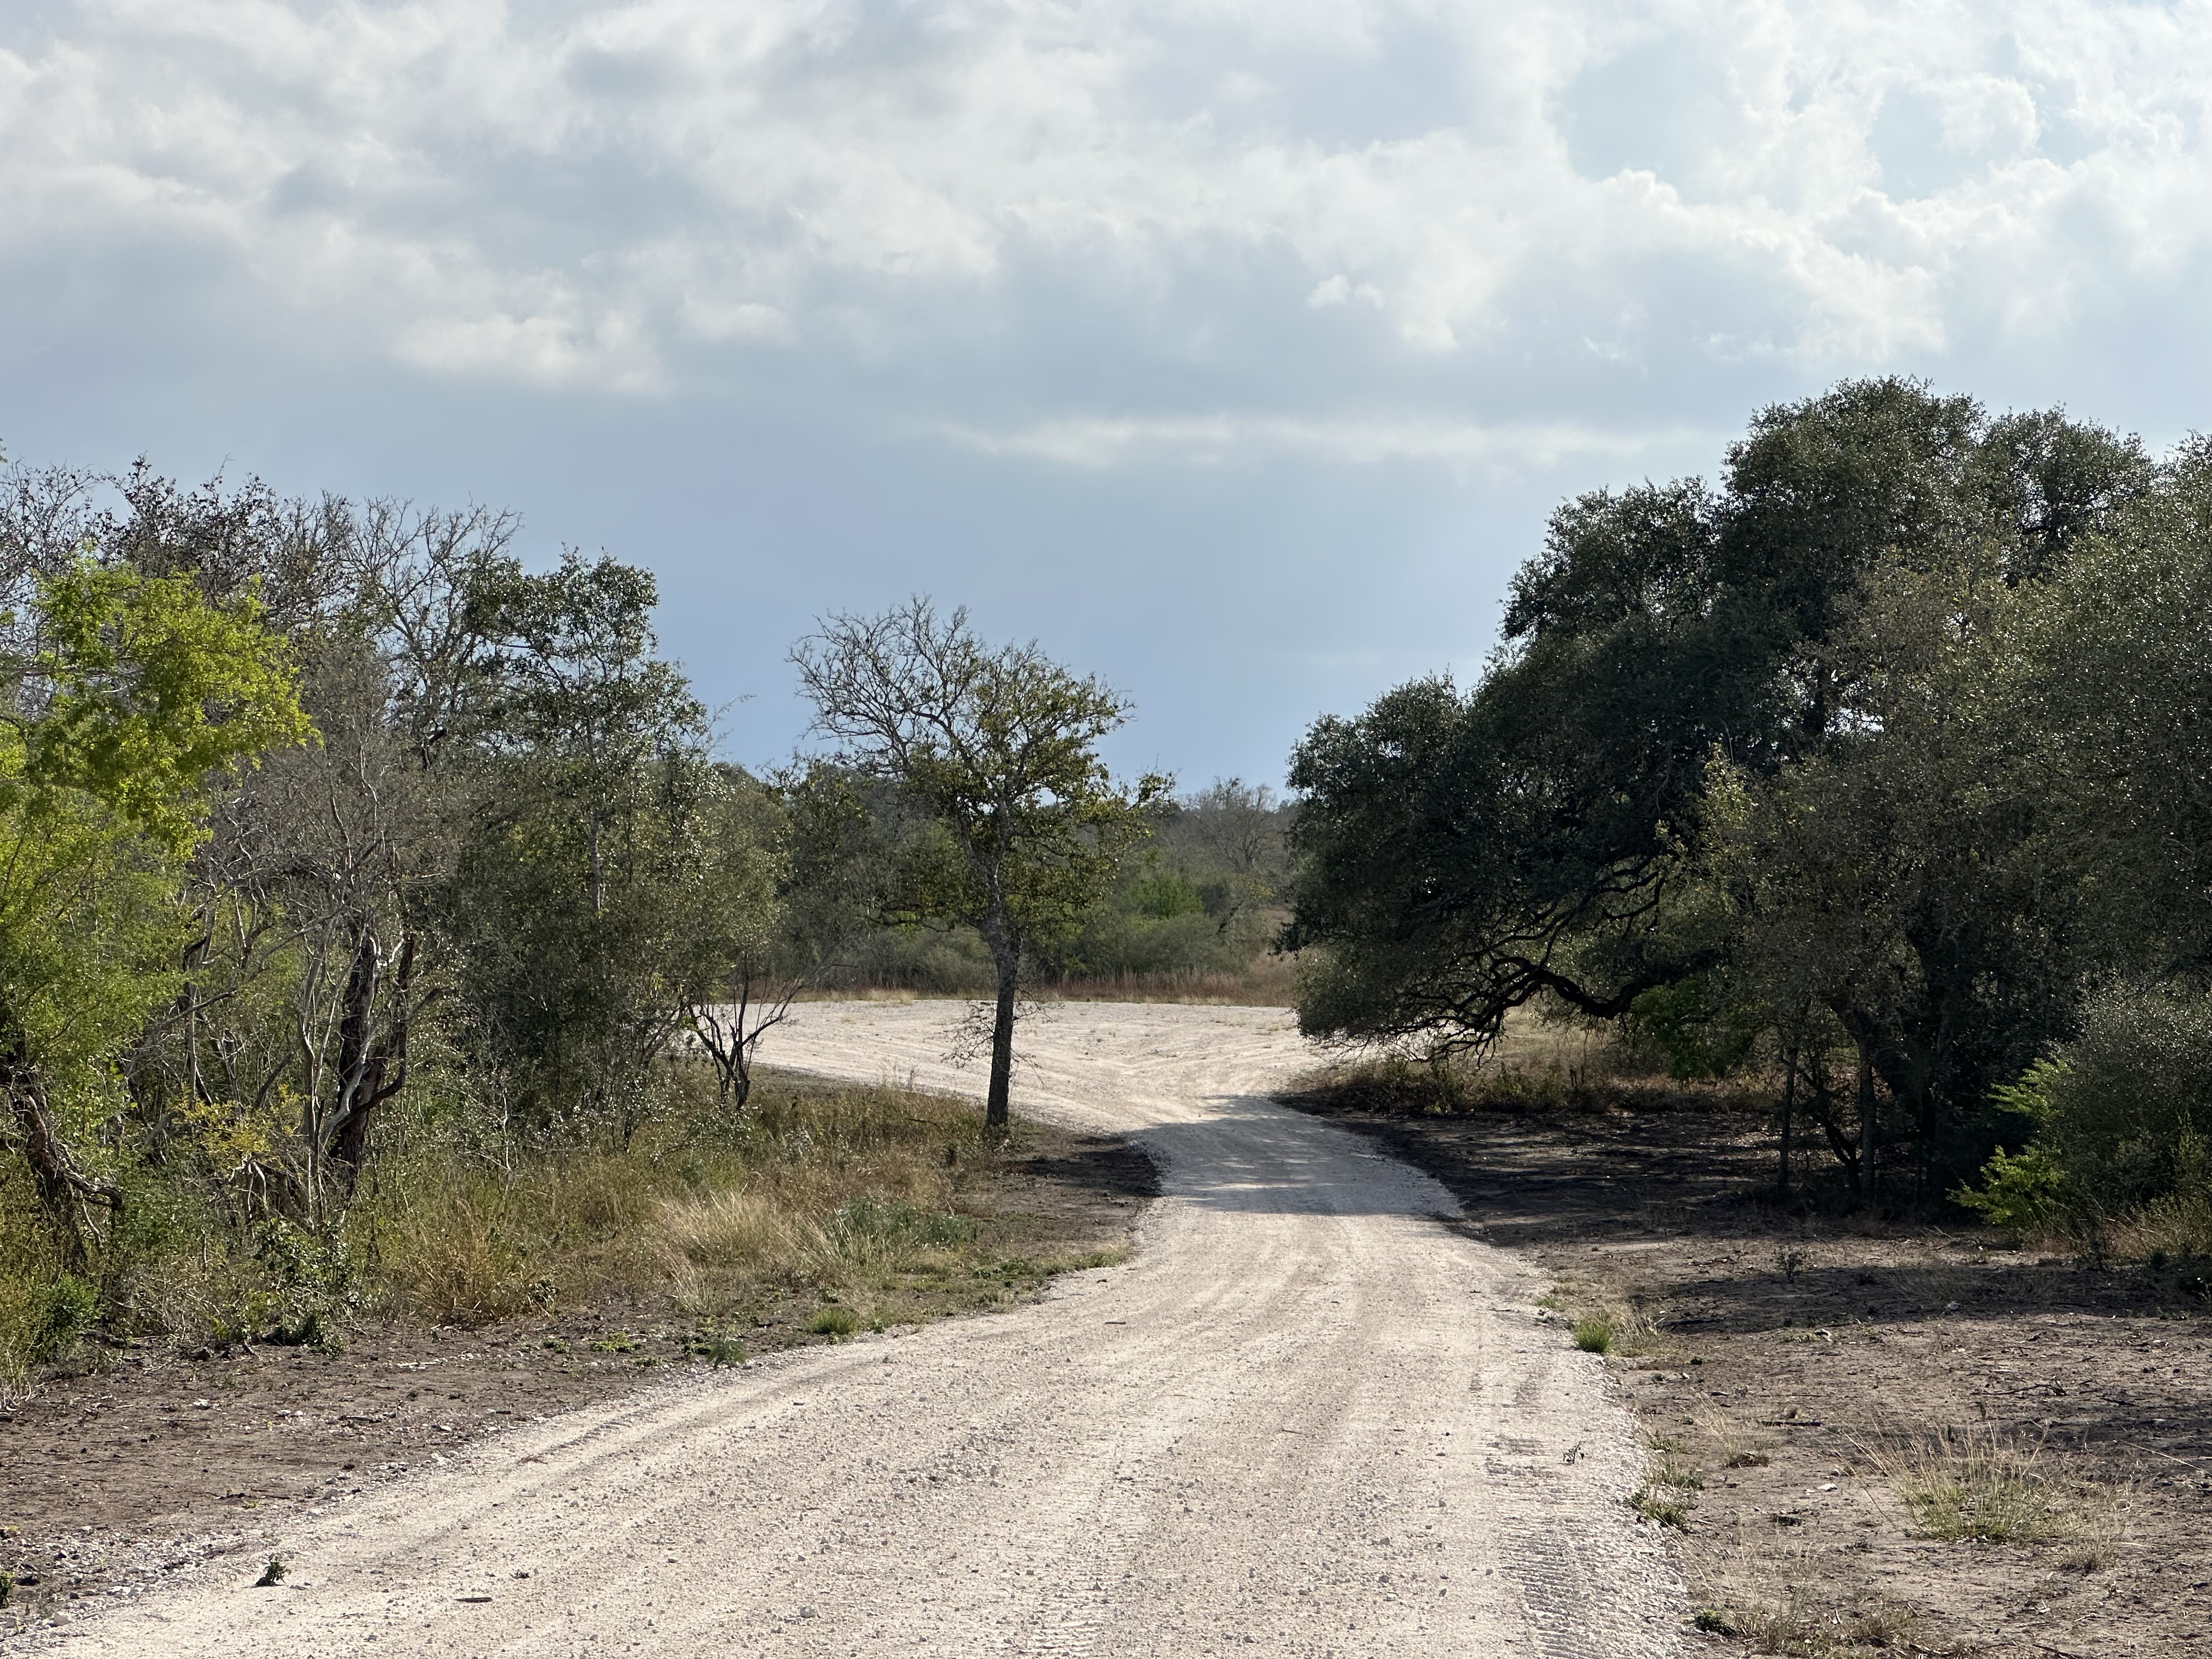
x,y
1107,441
623,197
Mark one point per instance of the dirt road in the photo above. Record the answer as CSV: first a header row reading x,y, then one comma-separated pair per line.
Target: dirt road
x,y
1304,1420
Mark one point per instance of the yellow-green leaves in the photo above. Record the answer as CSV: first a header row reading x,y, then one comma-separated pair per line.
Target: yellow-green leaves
x,y
138,691
150,688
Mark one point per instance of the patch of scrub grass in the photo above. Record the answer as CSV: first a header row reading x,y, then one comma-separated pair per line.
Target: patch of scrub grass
x,y
1803,1628
1982,1485
716,1348
1668,1506
1593,1335
1599,1322
811,1184
836,1321
1735,1449
2092,1551
1677,1475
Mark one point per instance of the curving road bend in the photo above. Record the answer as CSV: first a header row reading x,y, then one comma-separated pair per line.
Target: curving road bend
x,y
1304,1420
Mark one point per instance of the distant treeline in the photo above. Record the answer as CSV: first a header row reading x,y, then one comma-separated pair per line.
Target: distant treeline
x,y
1880,768
1199,902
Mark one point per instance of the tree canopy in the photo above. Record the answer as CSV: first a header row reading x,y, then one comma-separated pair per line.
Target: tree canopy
x,y
1790,752
1022,826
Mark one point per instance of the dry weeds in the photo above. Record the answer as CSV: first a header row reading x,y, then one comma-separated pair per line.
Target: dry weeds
x,y
841,1189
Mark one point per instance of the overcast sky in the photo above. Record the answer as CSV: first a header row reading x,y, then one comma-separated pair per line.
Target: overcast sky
x,y
1236,351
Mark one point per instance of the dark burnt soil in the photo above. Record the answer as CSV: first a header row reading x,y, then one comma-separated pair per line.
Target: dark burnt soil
x,y
1781,1358
151,1460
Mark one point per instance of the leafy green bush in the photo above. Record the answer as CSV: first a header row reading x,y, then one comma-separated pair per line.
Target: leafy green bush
x,y
2122,1116
63,1313
2027,1188
1695,1029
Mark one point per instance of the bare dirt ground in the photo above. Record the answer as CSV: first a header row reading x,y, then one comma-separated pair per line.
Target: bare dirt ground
x,y
1307,1419
1784,1357
149,1463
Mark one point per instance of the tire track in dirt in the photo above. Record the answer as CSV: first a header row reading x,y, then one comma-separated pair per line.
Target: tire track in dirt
x,y
1306,1420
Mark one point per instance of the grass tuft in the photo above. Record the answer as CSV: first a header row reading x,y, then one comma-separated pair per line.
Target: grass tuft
x,y
1667,1505
1979,1485
834,1321
716,1348
1803,1628
1593,1335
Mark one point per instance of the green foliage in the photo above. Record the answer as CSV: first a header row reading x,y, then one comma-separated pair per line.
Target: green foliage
x,y
717,1349
1021,827
869,1220
579,900
2122,1116
311,1281
1699,1030
1822,762
66,1311
833,1322
149,690
2027,1188
1017,828
1593,1335
1202,899
1664,1505
138,692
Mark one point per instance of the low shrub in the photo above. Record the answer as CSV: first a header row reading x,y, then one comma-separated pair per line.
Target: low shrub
x,y
63,1312
813,1186
2122,1128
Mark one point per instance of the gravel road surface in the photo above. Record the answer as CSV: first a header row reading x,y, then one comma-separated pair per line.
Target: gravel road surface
x,y
1305,1419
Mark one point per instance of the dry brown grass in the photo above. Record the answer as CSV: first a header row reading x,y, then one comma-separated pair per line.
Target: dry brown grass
x,y
1265,982
1542,1065
2177,1228
1803,1627
838,1188
1982,1484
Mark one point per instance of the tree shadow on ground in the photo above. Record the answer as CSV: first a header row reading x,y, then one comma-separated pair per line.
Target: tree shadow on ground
x,y
1693,1188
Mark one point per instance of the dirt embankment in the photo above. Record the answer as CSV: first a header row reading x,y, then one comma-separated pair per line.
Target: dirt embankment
x,y
145,1462
1875,1437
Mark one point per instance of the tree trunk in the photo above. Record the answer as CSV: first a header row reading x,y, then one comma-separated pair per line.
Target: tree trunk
x,y
64,1189
378,1073
737,1073
1788,1111
1869,1119
996,1109
741,1071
